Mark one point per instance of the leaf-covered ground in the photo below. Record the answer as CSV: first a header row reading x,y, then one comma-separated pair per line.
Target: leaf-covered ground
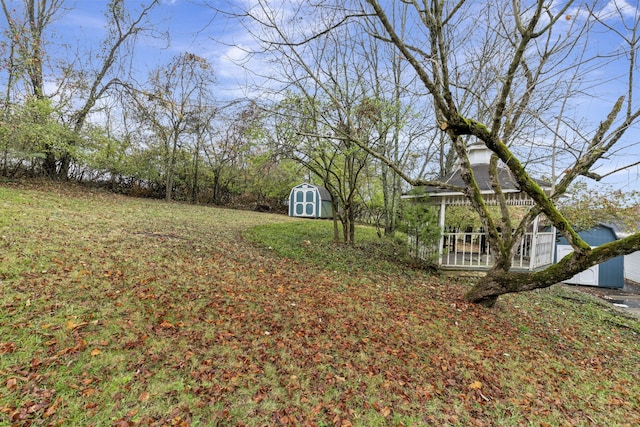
x,y
118,311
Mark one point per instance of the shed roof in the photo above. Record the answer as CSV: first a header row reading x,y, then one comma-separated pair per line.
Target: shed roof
x,y
614,228
323,192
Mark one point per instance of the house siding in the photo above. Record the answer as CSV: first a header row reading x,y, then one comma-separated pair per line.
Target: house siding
x,y
610,272
632,267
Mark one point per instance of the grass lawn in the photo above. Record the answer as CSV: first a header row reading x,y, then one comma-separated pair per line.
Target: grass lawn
x,y
120,312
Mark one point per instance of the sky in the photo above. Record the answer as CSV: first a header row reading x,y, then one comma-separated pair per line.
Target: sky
x,y
192,27
203,31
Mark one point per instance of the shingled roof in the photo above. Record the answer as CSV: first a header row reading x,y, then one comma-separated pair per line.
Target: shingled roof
x,y
479,157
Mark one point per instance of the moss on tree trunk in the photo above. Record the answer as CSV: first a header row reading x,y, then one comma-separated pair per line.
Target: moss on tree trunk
x,y
499,282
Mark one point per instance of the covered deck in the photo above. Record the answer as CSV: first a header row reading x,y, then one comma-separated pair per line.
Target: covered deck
x,y
469,249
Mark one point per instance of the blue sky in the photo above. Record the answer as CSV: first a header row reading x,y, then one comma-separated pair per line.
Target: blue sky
x,y
191,28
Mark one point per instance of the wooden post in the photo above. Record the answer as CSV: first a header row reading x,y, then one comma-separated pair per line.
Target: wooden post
x,y
534,245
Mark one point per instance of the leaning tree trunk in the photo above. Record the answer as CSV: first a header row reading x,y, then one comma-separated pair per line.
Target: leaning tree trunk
x,y
499,282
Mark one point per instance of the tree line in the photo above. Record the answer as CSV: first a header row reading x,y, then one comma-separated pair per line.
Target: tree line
x,y
89,120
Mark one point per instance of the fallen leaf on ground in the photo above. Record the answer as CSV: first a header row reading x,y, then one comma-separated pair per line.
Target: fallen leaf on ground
x,y
476,385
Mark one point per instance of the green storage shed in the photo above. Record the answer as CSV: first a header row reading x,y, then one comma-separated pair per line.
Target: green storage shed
x,y
310,201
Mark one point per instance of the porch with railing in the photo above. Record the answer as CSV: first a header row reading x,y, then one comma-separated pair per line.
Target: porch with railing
x,y
471,250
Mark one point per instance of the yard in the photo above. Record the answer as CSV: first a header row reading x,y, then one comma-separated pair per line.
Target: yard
x,y
123,312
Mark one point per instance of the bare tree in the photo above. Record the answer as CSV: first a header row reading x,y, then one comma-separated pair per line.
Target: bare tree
x,y
227,144
310,133
321,127
171,107
79,84
397,116
348,93
26,33
26,27
123,29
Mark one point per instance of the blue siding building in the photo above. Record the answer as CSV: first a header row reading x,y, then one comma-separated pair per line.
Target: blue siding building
x,y
609,274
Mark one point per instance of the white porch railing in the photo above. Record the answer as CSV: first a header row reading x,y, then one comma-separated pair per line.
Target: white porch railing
x,y
545,249
472,250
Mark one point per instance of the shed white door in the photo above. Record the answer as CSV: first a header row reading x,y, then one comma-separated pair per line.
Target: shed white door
x,y
632,267
304,201
589,277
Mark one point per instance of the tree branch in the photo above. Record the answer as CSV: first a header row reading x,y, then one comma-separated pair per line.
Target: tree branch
x,y
598,177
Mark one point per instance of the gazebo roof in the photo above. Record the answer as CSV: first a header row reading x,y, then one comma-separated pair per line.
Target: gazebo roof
x,y
479,157
483,178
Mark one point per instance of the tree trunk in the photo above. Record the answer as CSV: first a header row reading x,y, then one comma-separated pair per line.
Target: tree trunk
x,y
347,231
336,232
194,190
168,186
352,226
499,282
395,198
216,186
348,225
65,164
386,202
172,166
49,164
5,164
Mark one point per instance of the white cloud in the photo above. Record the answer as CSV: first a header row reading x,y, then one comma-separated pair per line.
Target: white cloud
x,y
612,10
231,60
616,8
